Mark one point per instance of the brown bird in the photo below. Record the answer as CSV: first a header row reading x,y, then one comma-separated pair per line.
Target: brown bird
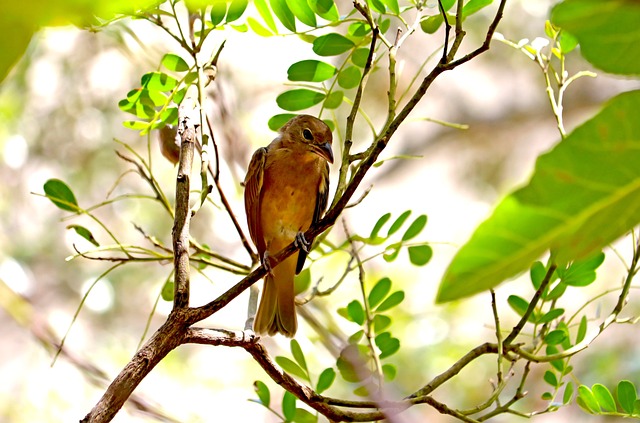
x,y
286,191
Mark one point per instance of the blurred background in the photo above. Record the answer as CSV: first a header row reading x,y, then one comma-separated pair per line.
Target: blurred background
x,y
59,119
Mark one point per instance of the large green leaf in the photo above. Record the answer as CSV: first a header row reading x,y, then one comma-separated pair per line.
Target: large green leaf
x,y
311,71
584,194
608,31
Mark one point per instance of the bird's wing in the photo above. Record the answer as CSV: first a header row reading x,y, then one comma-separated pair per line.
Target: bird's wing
x,y
252,189
321,204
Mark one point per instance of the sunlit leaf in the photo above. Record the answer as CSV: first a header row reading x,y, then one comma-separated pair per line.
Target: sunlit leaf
x,y
158,81
236,9
381,322
258,28
303,416
265,13
331,44
303,12
551,315
389,371
299,99
311,71
175,63
168,290
608,32
568,393
589,402
583,195
387,344
302,281
604,397
360,56
473,6
61,195
550,378
284,14
218,10
325,8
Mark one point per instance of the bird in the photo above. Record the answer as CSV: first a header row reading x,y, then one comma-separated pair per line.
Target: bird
x,y
286,191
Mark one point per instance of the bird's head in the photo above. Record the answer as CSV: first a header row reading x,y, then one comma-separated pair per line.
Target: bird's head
x,y
313,133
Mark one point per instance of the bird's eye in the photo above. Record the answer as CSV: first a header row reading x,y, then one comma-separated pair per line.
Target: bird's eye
x,y
307,134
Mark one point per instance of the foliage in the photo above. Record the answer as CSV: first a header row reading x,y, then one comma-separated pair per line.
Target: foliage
x,y
582,196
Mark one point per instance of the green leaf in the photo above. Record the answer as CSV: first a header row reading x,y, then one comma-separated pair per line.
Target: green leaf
x,y
356,337
415,228
334,100
389,371
136,125
379,292
608,32
276,122
359,29
303,12
265,13
303,416
61,195
361,391
236,9
397,224
551,315
289,406
419,255
381,322
379,224
359,57
311,71
263,393
393,6
550,378
284,14
588,399
556,292
537,274
391,301
258,28
519,305
175,63
387,344
331,44
167,290
584,194
85,233
568,393
302,281
349,77
159,81
473,6
627,395
581,272
356,312
555,337
604,397
567,42
431,24
298,355
582,330
325,380
299,99
218,10
291,367
325,8
377,6
391,252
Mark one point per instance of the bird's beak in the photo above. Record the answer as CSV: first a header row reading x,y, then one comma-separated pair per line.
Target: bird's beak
x,y
324,151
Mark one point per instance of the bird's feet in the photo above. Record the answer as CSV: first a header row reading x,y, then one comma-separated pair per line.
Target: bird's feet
x,y
301,242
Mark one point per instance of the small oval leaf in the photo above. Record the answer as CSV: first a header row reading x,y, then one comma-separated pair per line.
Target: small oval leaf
x,y
61,195
311,71
299,99
331,44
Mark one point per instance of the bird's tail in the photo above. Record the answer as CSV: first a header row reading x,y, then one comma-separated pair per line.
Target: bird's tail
x,y
277,310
